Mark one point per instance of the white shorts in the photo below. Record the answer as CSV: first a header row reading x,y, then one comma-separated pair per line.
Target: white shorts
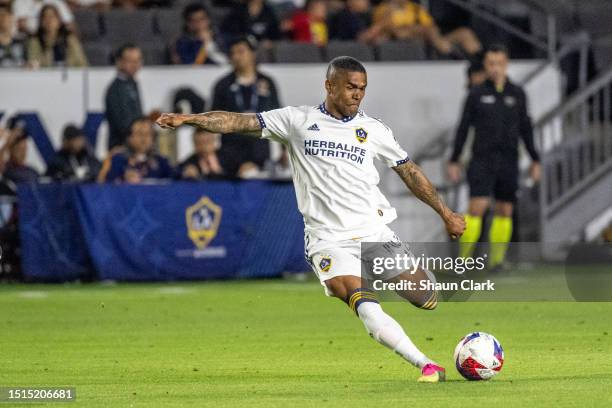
x,y
340,258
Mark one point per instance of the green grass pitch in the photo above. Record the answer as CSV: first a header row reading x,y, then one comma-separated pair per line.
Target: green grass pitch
x,y
277,343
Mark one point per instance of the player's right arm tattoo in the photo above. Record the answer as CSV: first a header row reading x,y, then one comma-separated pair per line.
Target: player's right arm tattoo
x,y
419,184
226,122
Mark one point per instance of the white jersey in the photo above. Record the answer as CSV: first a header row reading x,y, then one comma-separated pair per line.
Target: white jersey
x,y
332,161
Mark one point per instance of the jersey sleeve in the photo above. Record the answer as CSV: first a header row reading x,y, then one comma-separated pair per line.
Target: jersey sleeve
x,y
389,150
276,124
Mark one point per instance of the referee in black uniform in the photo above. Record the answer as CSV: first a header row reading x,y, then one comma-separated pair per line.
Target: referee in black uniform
x,y
497,111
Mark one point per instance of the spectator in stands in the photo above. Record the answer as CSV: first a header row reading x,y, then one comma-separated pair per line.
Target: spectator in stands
x,y
309,25
16,169
279,169
204,163
127,4
286,7
122,99
54,44
139,4
244,90
7,139
9,231
255,18
74,161
99,5
354,23
197,44
12,46
27,13
138,160
404,20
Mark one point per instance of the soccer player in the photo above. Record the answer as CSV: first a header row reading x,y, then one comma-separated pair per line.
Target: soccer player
x,y
497,110
332,148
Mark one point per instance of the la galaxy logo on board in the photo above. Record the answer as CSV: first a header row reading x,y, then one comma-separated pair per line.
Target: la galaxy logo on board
x,y
203,219
325,264
361,135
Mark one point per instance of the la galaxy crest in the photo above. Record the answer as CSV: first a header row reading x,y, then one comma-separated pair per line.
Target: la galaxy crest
x,y
203,219
361,134
325,264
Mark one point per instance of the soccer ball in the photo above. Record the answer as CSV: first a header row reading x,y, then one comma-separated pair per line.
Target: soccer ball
x,y
479,356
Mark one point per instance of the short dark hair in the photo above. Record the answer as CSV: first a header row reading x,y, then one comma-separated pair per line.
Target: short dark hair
x,y
475,66
498,48
138,120
71,131
6,7
249,40
194,8
344,63
122,49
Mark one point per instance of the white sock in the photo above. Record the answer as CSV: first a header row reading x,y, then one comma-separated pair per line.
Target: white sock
x,y
385,330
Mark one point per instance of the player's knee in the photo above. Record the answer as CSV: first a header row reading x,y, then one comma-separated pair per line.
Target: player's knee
x,y
336,288
341,286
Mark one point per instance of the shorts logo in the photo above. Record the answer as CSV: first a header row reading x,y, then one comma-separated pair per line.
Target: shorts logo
x,y
203,219
361,135
325,264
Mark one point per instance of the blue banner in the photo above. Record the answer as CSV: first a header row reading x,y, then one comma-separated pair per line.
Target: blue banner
x,y
52,244
162,232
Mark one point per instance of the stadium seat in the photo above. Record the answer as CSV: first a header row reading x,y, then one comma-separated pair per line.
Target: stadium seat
x,y
265,55
401,51
218,14
169,24
597,20
128,26
88,24
98,53
154,53
290,52
602,49
353,49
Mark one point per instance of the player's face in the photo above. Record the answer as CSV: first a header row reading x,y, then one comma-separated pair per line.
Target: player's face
x,y
496,65
346,90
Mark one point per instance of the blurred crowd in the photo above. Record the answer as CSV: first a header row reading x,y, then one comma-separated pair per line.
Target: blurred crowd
x,y
43,33
133,156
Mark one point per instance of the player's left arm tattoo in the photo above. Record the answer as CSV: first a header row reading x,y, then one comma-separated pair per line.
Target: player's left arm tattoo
x,y
419,184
